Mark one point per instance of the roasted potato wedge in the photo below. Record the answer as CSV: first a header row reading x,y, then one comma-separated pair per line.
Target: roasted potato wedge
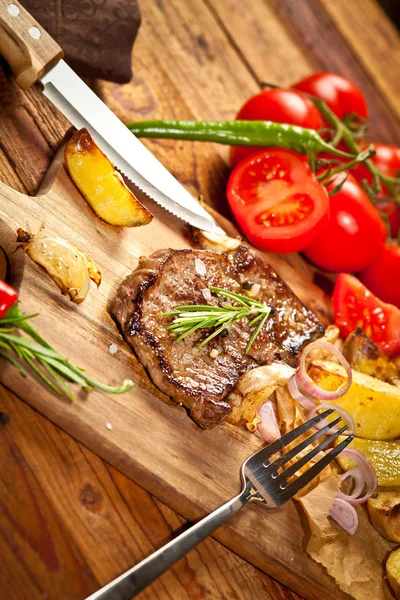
x,y
101,185
373,404
384,510
384,457
393,571
364,356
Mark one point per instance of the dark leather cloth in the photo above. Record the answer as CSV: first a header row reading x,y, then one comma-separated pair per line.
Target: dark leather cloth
x,y
96,35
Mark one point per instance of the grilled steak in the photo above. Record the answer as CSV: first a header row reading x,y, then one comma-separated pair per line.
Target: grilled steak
x,y
184,371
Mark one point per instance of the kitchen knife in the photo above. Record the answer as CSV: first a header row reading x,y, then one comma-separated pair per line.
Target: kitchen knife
x,y
34,56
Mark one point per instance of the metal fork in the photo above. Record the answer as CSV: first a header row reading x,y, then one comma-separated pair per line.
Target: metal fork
x,y
264,479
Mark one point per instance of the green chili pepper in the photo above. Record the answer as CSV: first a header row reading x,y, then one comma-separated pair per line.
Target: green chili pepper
x,y
238,133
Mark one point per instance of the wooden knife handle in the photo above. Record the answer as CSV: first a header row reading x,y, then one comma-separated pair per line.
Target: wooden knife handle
x,y
25,45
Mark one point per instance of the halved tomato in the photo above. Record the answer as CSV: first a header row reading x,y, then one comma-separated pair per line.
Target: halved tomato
x,y
277,201
355,306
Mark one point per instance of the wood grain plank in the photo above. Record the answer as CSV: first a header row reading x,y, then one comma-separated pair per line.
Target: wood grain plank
x,y
263,41
8,174
30,128
70,523
187,484
316,33
198,58
200,73
374,40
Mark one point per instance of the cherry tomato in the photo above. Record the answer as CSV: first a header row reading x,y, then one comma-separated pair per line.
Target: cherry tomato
x,y
387,159
382,277
355,234
342,96
392,211
355,306
280,106
277,201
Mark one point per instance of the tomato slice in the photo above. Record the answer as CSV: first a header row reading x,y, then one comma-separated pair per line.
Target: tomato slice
x,y
277,201
355,306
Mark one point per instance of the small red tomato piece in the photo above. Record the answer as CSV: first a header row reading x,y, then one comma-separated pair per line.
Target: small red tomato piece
x,y
355,234
8,297
280,106
391,210
339,93
382,277
277,201
355,306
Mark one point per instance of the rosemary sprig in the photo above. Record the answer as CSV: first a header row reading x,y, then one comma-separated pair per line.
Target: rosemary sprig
x,y
205,316
51,366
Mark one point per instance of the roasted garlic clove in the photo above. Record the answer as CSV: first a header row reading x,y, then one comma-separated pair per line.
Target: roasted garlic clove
x,y
69,267
218,242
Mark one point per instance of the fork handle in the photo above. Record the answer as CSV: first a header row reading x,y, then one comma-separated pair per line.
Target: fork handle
x,y
136,579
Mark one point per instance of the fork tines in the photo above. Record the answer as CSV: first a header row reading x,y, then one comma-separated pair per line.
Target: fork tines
x,y
275,479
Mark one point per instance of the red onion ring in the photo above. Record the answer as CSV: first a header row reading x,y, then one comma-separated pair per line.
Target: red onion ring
x,y
343,413
358,482
363,472
298,396
307,386
345,515
268,427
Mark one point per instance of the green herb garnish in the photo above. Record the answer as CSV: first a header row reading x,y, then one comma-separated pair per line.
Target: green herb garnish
x,y
51,366
197,316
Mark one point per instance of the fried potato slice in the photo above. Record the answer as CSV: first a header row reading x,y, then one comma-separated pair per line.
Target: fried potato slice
x,y
373,404
101,185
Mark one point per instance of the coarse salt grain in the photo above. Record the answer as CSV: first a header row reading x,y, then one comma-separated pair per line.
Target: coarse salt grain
x,y
109,426
199,266
214,353
206,294
255,289
113,348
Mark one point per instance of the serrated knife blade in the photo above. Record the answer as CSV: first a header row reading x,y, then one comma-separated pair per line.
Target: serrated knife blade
x,y
83,108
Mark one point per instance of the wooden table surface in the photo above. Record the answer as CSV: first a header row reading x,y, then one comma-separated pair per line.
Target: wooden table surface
x,y
70,522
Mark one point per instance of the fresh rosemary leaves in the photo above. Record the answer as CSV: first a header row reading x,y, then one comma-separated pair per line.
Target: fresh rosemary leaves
x,y
197,316
51,366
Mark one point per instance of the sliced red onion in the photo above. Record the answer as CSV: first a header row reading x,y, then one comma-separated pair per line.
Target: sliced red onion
x,y
268,427
363,474
358,484
307,386
298,396
345,515
343,413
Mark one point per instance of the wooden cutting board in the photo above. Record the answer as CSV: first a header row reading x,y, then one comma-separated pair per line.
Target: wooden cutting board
x,y
151,440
